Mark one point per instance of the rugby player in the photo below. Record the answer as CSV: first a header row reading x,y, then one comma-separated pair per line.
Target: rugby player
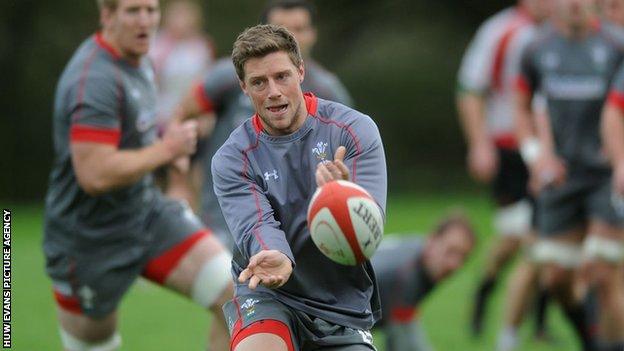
x,y
572,63
485,106
105,222
289,296
408,268
219,94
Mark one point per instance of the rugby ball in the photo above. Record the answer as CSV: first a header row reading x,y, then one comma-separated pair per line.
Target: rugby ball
x,y
345,222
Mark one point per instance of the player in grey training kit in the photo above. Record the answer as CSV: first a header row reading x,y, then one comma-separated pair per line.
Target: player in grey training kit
x,y
220,93
105,222
289,295
572,63
408,268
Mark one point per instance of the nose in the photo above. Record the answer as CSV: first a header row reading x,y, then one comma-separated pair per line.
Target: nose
x,y
274,91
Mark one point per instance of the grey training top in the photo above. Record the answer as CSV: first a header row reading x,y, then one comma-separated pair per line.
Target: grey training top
x,y
100,98
264,184
401,274
220,93
574,77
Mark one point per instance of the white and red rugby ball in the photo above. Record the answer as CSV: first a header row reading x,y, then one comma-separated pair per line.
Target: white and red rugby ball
x,y
345,222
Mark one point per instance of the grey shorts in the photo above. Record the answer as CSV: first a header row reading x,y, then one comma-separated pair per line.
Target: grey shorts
x,y
91,280
575,202
261,313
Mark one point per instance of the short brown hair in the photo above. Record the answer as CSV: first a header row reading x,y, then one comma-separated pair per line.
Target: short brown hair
x,y
108,4
261,40
455,219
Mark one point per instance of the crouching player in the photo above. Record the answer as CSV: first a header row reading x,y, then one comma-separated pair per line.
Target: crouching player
x,y
105,222
408,269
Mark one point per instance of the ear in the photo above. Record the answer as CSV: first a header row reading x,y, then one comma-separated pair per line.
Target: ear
x,y
243,86
106,16
301,71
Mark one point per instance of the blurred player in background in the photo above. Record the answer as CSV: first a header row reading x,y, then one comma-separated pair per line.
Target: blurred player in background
x,y
485,106
613,11
289,296
181,53
408,268
220,94
105,222
606,268
572,63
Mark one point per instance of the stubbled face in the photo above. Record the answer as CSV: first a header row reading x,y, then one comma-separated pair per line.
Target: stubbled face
x,y
447,252
273,83
299,23
613,10
575,13
131,26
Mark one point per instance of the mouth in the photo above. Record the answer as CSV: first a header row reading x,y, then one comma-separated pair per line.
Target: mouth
x,y
143,36
277,108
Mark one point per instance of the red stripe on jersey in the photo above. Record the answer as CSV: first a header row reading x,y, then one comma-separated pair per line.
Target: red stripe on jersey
x,y
522,85
205,103
506,141
99,39
270,326
252,186
159,268
68,303
90,134
257,124
502,50
403,314
311,102
616,99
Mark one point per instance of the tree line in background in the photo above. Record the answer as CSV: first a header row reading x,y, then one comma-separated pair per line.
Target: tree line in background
x,y
398,58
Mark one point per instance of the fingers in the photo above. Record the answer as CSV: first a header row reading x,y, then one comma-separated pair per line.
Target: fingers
x,y
244,275
340,153
323,175
254,281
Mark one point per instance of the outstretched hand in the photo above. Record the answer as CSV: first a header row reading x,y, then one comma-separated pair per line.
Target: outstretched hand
x,y
328,171
270,268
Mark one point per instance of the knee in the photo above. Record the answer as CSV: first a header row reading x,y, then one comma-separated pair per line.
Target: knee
x,y
554,278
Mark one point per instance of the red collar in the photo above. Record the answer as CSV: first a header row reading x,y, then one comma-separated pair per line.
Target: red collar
x,y
311,102
99,39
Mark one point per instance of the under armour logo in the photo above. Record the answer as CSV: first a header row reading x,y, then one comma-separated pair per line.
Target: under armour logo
x,y
268,175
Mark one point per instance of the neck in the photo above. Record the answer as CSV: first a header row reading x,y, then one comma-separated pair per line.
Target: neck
x,y
574,30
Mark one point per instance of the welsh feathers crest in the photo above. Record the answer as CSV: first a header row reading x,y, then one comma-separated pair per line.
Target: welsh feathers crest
x,y
320,150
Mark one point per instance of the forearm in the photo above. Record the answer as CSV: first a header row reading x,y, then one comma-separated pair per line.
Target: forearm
x,y
471,108
105,169
613,134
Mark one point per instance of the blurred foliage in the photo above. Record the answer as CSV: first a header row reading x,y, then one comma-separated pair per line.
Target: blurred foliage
x,y
398,58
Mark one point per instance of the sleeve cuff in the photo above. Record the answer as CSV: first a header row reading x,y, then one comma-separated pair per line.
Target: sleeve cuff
x,y
616,99
86,133
205,103
522,85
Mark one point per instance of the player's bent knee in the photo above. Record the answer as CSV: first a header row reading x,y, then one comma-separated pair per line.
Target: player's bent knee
x,y
514,220
604,249
212,280
72,343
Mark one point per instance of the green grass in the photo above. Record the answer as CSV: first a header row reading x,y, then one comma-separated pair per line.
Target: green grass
x,y
154,319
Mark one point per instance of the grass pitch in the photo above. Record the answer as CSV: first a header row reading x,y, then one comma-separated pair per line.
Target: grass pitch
x,y
154,319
